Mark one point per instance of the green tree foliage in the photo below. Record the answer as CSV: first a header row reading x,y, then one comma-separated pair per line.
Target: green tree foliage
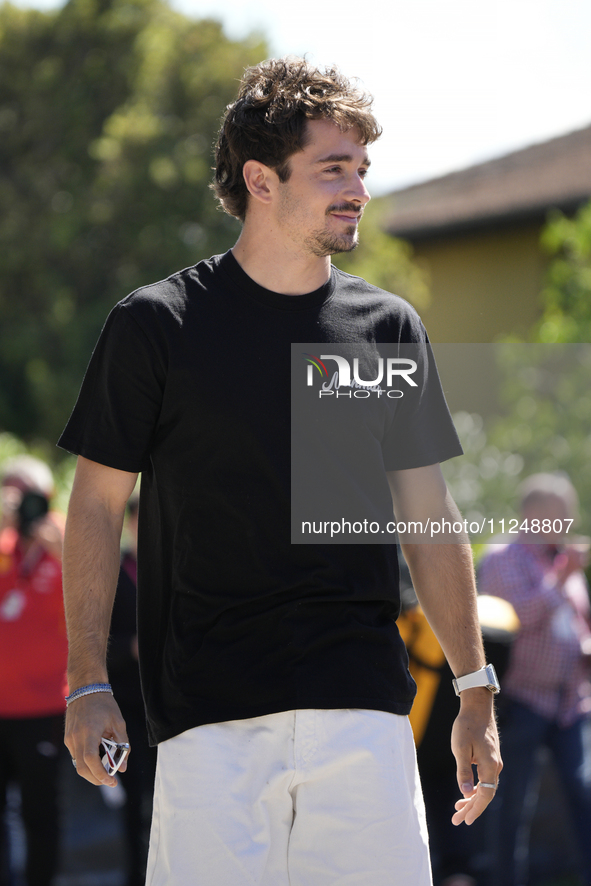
x,y
544,426
545,421
108,112
567,293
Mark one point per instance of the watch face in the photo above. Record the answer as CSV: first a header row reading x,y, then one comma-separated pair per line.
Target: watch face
x,y
493,683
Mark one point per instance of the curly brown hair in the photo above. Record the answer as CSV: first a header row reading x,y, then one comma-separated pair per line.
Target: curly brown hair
x,y
267,122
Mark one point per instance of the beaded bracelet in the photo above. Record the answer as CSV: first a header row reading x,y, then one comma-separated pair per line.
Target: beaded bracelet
x,y
88,690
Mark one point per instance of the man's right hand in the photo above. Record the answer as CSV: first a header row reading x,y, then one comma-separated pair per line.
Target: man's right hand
x,y
89,719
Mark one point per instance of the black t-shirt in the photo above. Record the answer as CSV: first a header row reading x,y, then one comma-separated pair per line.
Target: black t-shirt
x,y
190,384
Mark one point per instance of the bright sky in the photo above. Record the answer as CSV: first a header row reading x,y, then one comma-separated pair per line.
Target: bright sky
x,y
455,81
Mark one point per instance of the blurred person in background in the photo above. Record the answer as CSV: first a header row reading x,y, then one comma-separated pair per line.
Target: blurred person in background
x,y
123,668
547,694
33,653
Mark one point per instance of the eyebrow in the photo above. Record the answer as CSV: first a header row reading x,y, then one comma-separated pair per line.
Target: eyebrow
x,y
343,158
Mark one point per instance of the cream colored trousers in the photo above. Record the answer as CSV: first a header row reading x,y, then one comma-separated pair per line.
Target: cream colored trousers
x,y
299,798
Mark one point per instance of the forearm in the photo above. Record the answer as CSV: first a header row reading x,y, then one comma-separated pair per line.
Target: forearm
x,y
90,570
443,578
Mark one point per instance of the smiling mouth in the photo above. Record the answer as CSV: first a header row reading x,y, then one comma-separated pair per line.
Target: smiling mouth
x,y
346,212
351,219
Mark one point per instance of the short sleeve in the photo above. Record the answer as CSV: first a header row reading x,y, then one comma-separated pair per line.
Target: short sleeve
x,y
422,431
116,414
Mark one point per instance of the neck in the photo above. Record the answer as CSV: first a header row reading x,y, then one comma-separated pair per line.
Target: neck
x,y
273,264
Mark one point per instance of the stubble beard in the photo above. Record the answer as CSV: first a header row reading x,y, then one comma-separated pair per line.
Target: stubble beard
x,y
323,243
326,242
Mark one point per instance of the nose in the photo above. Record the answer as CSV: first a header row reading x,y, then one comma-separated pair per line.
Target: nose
x,y
357,190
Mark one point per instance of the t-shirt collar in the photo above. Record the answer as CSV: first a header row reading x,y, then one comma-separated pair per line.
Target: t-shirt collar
x,y
232,269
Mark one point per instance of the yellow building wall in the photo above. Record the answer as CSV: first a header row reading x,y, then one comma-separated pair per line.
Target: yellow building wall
x,y
484,284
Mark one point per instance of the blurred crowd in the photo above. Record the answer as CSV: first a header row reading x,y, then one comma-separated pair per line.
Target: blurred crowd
x,y
34,779
535,616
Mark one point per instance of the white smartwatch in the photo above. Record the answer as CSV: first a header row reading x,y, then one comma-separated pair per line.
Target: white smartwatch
x,y
486,677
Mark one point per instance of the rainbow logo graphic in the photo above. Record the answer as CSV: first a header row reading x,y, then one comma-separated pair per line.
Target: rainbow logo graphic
x,y
317,362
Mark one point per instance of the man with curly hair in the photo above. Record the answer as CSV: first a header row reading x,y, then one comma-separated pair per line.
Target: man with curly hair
x,y
275,680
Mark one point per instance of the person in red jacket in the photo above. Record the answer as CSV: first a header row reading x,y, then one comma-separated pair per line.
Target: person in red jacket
x,y
33,653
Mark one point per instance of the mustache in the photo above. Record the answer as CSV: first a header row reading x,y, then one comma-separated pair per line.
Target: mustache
x,y
346,207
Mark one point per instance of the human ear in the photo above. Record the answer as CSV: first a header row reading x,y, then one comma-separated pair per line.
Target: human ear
x,y
258,180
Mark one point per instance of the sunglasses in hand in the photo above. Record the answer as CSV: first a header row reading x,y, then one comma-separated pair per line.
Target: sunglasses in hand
x,y
115,753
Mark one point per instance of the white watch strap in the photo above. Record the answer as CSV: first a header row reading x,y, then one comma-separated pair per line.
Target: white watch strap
x,y
485,676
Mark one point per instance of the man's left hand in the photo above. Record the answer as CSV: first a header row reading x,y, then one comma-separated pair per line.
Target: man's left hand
x,y
475,741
